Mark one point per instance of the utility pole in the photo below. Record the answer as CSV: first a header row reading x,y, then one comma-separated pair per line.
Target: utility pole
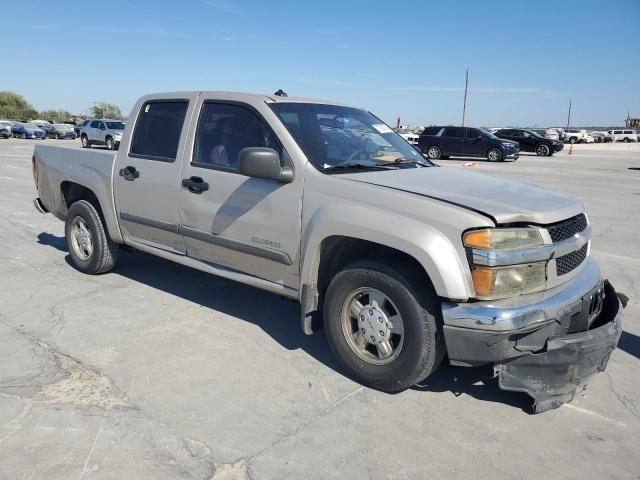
x,y
569,115
464,106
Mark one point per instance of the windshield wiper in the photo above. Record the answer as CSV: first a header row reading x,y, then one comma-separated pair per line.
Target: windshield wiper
x,y
405,160
356,165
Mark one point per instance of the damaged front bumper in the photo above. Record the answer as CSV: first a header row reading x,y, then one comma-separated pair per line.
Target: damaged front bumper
x,y
546,345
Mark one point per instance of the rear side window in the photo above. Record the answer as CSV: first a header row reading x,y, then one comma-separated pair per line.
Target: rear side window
x,y
95,124
456,132
158,129
473,133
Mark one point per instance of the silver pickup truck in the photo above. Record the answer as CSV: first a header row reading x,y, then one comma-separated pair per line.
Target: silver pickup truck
x,y
400,261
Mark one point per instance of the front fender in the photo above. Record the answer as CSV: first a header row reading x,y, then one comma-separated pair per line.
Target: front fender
x,y
439,257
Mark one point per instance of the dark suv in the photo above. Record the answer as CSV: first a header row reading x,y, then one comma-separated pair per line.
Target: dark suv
x,y
445,142
531,141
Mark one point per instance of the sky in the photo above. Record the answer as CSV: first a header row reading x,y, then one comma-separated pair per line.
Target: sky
x,y
407,59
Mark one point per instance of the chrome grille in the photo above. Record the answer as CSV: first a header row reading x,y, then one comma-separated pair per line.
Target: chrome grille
x,y
568,228
571,261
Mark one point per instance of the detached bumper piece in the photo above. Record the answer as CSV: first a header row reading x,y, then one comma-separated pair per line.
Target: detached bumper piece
x,y
552,377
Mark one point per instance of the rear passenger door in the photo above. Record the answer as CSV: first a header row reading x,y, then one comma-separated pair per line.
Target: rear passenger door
x,y
453,139
92,131
147,175
251,225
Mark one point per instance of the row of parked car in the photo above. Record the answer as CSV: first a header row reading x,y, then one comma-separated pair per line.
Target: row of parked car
x,y
101,131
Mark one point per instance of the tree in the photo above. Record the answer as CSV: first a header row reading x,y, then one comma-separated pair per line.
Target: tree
x,y
15,107
56,116
106,110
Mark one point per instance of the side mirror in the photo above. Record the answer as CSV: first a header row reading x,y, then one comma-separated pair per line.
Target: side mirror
x,y
261,162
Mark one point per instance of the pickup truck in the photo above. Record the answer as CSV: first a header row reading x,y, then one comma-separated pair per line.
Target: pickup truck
x,y
400,261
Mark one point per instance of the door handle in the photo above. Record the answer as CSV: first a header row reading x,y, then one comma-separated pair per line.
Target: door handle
x,y
129,173
195,185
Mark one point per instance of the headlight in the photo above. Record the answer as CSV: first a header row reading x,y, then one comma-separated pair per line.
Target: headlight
x,y
503,238
493,282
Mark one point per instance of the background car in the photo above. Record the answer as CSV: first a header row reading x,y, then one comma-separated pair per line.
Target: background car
x,y
27,130
47,127
62,131
5,128
601,137
410,137
79,126
573,135
445,142
531,141
102,131
624,135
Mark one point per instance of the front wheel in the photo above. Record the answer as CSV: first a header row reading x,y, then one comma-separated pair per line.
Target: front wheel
x,y
542,151
382,330
85,141
109,143
626,140
573,140
494,155
434,152
91,249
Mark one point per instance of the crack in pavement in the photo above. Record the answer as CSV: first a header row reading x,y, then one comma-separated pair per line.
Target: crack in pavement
x,y
627,403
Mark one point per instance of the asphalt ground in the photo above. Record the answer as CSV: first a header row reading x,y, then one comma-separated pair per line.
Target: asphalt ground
x,y
157,371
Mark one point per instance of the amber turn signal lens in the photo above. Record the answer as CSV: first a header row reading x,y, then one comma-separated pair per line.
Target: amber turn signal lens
x,y
478,239
483,281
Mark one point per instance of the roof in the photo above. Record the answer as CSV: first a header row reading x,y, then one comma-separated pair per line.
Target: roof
x,y
261,97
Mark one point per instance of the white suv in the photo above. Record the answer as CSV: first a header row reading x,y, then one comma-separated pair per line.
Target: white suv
x,y
624,135
102,131
572,135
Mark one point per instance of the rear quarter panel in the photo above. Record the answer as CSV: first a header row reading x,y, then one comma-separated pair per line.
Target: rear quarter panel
x,y
92,169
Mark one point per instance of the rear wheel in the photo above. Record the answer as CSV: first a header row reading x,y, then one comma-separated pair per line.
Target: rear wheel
x,y
626,140
434,152
57,136
91,249
542,150
494,155
383,331
109,143
85,141
573,140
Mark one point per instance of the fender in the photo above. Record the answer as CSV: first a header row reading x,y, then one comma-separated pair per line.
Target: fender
x,y
441,260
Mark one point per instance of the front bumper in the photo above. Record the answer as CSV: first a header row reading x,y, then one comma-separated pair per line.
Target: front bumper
x,y
558,148
545,344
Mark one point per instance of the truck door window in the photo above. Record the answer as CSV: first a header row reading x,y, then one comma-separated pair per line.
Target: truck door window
x,y
158,130
225,129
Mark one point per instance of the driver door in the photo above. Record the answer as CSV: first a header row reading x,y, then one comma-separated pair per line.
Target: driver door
x,y
251,225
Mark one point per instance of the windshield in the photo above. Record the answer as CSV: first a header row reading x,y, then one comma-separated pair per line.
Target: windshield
x,y
535,134
115,125
404,131
332,135
30,126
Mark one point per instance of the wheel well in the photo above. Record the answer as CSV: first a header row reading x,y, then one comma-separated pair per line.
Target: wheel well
x,y
72,192
337,252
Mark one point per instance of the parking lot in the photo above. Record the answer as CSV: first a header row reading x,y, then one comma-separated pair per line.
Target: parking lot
x,y
159,371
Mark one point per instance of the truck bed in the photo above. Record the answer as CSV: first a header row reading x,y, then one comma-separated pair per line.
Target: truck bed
x,y
90,168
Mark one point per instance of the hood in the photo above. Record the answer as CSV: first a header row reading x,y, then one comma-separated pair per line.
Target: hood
x,y
505,201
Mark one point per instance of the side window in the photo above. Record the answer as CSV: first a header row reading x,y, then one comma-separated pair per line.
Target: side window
x,y
225,129
157,132
101,126
95,124
455,132
473,133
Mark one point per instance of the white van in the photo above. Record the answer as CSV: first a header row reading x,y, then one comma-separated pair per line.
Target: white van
x,y
624,135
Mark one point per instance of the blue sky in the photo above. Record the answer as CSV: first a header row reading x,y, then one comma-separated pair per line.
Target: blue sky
x,y
407,59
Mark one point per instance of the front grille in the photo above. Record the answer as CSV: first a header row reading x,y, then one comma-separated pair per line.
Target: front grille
x,y
571,261
568,228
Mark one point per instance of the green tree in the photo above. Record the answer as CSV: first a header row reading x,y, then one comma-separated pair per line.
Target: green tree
x,y
55,116
15,107
106,110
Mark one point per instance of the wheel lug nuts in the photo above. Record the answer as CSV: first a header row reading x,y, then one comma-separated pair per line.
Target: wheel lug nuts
x,y
381,333
362,330
373,339
380,319
370,312
362,317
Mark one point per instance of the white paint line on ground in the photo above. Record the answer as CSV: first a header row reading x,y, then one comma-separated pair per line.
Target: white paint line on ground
x,y
594,414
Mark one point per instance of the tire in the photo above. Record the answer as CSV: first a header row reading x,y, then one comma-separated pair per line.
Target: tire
x,y
494,155
57,136
542,150
418,350
626,140
433,152
573,140
109,143
85,141
90,248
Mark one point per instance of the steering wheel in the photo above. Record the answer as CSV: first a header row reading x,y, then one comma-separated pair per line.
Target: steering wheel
x,y
358,153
